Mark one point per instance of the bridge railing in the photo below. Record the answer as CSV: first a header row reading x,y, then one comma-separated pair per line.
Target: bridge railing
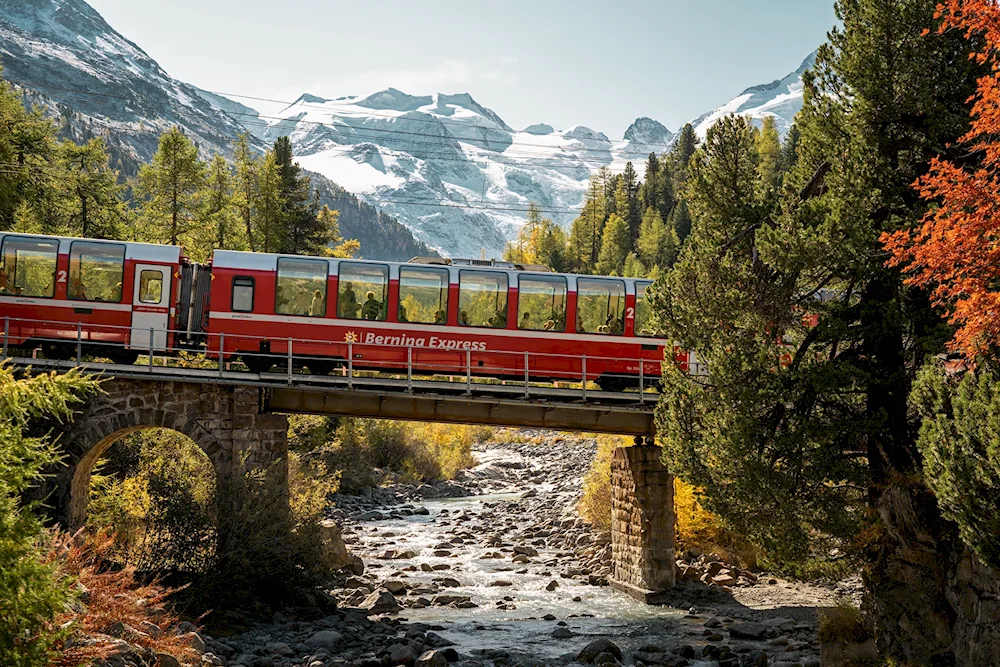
x,y
335,363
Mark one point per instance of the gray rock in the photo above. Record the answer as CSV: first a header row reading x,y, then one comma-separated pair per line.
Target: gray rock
x,y
748,631
380,602
754,659
167,660
597,647
432,659
328,639
402,655
196,642
563,633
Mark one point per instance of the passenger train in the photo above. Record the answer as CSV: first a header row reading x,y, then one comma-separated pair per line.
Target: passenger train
x,y
432,316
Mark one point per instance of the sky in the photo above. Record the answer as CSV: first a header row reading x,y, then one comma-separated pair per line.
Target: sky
x,y
599,64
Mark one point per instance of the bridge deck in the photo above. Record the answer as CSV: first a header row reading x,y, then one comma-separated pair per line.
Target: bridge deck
x,y
359,395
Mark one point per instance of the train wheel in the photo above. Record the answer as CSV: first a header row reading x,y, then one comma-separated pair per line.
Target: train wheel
x,y
321,366
58,350
122,355
612,384
257,364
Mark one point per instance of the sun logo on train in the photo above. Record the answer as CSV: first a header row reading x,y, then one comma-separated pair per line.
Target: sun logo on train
x,y
350,337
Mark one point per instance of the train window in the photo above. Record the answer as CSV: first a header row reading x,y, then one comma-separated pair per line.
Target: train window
x,y
151,287
242,301
541,303
28,266
371,281
482,299
301,287
643,311
96,271
423,295
600,306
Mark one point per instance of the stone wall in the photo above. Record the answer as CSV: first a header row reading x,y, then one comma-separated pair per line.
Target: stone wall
x,y
642,522
226,422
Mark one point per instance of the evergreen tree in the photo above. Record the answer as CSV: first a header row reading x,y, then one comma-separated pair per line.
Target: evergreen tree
x,y
28,149
651,189
221,225
796,437
168,188
627,200
789,149
680,221
338,246
305,234
93,197
680,154
245,188
633,267
270,225
769,149
615,246
657,244
585,232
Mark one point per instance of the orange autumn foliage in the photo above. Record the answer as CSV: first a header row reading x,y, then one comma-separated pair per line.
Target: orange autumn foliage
x,y
955,252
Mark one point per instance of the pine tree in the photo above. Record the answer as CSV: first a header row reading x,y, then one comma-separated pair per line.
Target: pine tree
x,y
651,189
627,200
680,221
769,149
615,246
633,267
815,435
680,154
789,149
168,187
305,234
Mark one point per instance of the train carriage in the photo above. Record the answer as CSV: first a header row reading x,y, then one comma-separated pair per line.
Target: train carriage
x,y
106,296
458,317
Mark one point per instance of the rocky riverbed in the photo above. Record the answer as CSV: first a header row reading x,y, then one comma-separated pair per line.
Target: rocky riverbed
x,y
496,568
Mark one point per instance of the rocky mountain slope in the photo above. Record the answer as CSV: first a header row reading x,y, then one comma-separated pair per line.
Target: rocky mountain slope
x,y
450,169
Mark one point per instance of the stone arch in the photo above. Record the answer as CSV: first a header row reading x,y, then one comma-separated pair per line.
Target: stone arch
x,y
225,422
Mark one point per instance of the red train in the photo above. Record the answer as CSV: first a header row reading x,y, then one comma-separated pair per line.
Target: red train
x,y
454,317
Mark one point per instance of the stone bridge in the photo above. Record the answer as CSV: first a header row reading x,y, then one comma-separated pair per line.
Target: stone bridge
x,y
235,427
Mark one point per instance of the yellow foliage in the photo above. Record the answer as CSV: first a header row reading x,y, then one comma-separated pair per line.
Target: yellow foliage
x,y
696,526
595,505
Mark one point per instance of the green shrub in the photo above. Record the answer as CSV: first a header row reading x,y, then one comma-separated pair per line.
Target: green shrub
x,y
155,491
960,442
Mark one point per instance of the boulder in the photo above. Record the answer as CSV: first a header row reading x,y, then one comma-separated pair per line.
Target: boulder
x,y
596,648
380,602
395,587
332,546
432,659
167,660
328,639
748,631
402,654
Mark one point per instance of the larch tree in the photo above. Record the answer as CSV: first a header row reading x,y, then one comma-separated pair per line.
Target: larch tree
x,y
245,187
615,246
167,189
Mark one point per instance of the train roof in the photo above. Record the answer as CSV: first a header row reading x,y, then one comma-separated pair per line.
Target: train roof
x,y
150,252
238,259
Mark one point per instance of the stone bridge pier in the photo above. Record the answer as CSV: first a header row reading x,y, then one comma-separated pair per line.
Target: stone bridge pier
x,y
227,422
642,523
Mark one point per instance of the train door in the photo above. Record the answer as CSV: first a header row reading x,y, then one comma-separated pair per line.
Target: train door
x,y
150,307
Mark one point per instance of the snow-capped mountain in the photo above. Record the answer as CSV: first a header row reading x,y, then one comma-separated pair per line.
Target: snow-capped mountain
x,y
458,176
450,168
781,99
66,54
